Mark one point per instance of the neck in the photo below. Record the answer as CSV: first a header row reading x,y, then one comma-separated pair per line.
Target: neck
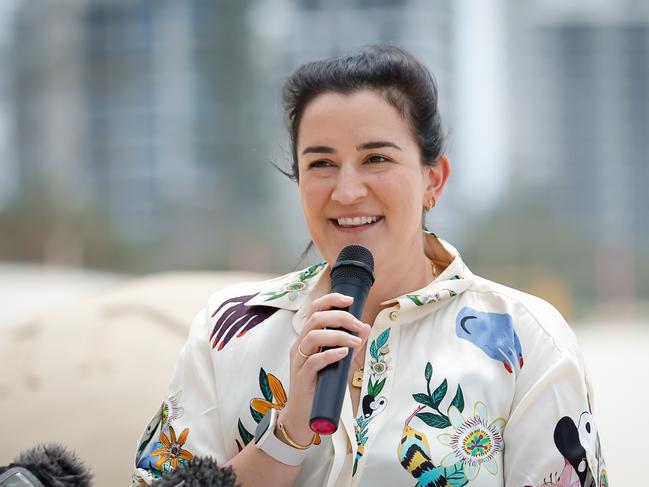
x,y
397,277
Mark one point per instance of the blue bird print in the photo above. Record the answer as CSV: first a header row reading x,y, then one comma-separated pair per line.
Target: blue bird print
x,y
493,333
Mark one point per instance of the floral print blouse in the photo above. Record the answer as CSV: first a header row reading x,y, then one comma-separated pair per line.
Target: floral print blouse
x,y
466,383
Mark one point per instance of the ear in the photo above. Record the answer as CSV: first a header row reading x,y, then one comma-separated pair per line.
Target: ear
x,y
436,177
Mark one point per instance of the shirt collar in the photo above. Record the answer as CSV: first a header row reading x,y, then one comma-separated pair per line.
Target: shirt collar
x,y
291,290
296,290
453,280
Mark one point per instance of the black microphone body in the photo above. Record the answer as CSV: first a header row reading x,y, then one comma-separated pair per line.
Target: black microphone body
x,y
352,275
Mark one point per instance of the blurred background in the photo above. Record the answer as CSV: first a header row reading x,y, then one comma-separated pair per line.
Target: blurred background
x,y
137,138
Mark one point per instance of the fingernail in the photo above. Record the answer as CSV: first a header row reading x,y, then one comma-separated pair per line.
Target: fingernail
x,y
356,340
343,351
359,323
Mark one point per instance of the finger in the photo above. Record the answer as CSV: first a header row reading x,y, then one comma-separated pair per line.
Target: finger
x,y
320,360
333,319
331,300
316,339
364,336
364,333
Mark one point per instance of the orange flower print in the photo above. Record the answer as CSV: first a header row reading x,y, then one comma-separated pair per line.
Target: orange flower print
x,y
277,395
170,451
274,398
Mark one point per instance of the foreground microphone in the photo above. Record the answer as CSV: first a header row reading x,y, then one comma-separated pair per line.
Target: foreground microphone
x,y
198,472
351,275
46,466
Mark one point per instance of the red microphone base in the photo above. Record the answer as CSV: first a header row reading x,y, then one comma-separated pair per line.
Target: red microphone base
x,y
323,426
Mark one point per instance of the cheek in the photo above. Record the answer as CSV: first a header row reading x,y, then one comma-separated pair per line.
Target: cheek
x,y
313,195
399,195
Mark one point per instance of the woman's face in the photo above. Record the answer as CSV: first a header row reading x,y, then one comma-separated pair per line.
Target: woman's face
x,y
361,179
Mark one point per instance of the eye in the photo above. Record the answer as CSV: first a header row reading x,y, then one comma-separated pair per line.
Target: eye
x,y
315,164
377,159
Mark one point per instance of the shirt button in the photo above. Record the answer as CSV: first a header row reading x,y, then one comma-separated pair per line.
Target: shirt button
x,y
394,315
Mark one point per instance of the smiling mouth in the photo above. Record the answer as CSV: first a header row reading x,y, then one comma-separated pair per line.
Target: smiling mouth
x,y
356,222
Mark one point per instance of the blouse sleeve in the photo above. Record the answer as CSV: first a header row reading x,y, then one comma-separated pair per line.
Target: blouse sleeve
x,y
551,438
187,422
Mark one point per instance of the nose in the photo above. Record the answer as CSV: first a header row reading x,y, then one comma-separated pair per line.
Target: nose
x,y
350,188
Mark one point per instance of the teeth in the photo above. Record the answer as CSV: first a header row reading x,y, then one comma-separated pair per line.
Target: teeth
x,y
356,221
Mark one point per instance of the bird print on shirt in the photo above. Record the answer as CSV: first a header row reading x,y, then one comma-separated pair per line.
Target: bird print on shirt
x,y
414,456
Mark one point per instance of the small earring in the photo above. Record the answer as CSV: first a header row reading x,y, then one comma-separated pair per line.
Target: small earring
x,y
431,204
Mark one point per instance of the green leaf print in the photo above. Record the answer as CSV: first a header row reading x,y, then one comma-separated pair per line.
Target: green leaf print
x,y
429,371
378,387
458,400
256,415
370,388
275,295
265,386
382,339
434,420
246,436
439,394
378,343
455,475
424,399
415,299
311,271
373,351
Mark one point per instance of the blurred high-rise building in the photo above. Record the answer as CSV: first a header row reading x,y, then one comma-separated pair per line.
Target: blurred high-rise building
x,y
143,111
165,115
580,123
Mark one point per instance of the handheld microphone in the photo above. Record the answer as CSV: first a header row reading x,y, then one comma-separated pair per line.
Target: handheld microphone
x,y
351,275
198,472
46,466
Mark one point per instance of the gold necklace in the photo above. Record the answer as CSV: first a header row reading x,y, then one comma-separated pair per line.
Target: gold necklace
x,y
434,268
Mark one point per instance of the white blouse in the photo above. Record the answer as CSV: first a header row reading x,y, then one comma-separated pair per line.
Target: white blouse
x,y
467,382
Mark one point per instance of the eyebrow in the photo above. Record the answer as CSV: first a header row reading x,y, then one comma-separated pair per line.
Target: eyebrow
x,y
323,149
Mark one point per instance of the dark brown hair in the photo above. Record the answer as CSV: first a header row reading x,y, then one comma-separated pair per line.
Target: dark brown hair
x,y
391,71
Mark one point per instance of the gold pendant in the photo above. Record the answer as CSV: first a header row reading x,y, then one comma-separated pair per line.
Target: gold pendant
x,y
357,380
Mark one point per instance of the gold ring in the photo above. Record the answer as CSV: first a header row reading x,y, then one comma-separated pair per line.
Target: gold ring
x,y
299,350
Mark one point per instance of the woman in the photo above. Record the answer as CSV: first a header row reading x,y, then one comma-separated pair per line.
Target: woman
x,y
455,380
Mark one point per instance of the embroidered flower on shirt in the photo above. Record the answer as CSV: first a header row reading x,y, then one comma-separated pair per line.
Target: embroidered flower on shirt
x,y
170,450
379,360
171,410
434,297
413,450
274,398
379,367
372,403
295,288
475,441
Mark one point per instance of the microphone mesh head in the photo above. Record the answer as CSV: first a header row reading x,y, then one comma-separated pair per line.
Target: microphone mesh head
x,y
55,465
358,253
198,472
354,261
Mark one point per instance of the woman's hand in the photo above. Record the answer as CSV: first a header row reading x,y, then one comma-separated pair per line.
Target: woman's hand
x,y
304,371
